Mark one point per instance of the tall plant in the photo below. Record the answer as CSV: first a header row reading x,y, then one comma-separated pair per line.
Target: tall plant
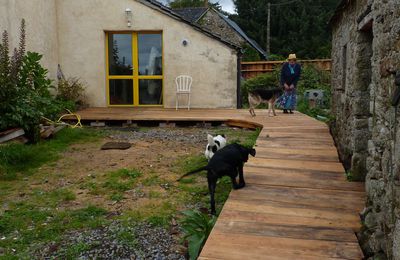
x,y
24,88
196,226
10,87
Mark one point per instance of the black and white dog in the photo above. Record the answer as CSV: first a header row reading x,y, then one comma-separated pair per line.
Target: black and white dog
x,y
228,161
215,143
259,96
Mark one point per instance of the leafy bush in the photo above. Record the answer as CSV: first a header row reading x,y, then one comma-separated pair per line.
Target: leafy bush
x,y
24,89
313,78
196,226
73,90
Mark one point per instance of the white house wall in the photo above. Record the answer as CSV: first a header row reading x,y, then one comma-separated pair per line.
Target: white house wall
x,y
41,27
72,33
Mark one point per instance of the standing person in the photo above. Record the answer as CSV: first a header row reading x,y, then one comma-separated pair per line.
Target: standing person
x,y
290,75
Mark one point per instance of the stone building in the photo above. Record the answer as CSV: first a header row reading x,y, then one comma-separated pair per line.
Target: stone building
x,y
128,52
219,24
365,56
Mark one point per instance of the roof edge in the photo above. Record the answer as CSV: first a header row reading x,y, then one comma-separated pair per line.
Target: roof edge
x,y
250,41
168,11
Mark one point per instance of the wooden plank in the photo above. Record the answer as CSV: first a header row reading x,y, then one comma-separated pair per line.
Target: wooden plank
x,y
326,198
241,246
300,211
231,214
296,164
274,154
285,230
310,145
304,179
11,134
285,151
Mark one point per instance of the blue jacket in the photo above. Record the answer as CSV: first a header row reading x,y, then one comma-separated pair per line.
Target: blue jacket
x,y
287,76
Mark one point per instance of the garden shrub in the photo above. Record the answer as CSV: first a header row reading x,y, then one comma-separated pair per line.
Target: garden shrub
x,y
25,89
73,90
313,78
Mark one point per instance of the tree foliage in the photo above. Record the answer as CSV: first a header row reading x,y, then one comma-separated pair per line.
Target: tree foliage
x,y
191,3
298,27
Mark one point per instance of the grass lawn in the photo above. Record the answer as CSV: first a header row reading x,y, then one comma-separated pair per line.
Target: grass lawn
x,y
68,183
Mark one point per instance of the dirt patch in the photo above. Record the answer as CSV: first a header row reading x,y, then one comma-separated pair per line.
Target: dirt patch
x,y
154,153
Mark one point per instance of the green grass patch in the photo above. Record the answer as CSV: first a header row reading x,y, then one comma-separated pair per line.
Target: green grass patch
x,y
156,213
25,223
26,159
75,250
121,180
52,198
127,238
154,194
191,163
151,180
93,187
117,197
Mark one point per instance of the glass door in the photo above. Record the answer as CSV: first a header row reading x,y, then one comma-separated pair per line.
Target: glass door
x,y
134,69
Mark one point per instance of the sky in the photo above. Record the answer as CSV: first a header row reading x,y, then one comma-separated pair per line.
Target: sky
x,y
227,5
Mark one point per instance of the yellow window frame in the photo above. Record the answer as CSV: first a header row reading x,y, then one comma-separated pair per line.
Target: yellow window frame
x,y
135,77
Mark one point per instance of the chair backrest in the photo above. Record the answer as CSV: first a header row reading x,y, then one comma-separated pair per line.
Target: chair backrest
x,y
183,83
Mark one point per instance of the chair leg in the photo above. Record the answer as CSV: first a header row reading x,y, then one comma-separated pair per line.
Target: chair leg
x,y
189,102
176,103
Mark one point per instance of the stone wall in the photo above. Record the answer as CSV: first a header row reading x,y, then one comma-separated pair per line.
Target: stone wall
x,y
367,126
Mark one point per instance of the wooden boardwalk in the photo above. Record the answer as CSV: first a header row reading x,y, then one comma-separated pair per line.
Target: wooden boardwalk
x,y
297,203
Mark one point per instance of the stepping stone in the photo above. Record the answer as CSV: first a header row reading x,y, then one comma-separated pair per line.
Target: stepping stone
x,y
116,146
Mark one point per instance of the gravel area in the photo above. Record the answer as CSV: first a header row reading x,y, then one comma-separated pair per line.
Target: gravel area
x,y
115,241
192,135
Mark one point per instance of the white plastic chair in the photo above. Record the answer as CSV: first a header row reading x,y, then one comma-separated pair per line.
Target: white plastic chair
x,y
183,87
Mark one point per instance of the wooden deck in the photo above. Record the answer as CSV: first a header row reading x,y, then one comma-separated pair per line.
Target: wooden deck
x,y
297,203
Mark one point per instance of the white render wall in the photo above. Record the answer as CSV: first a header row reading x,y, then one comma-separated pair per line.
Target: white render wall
x,y
72,33
41,27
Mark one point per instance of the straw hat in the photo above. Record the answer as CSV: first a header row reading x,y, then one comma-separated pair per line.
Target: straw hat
x,y
292,57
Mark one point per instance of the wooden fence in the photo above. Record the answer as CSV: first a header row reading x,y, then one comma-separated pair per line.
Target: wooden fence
x,y
252,69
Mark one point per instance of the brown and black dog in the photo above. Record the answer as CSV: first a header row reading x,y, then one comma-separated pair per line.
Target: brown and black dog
x,y
258,96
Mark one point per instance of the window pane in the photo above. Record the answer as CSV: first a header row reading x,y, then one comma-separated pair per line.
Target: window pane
x,y
120,54
150,54
150,92
121,91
